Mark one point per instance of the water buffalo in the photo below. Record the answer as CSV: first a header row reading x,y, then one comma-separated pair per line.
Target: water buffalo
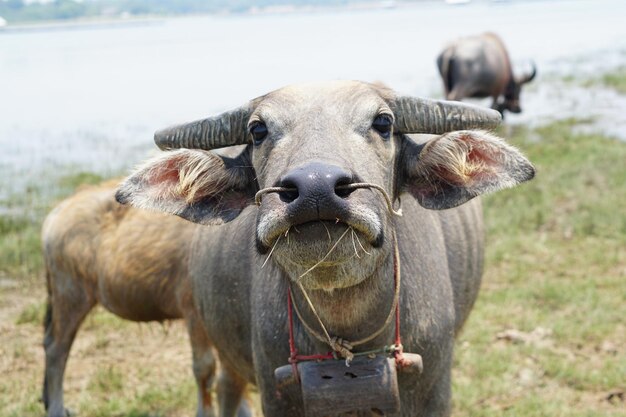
x,y
327,164
479,66
131,261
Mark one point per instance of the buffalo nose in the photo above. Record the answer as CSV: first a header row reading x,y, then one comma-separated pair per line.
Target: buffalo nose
x,y
315,183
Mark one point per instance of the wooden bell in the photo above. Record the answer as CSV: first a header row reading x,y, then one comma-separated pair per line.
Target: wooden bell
x,y
368,385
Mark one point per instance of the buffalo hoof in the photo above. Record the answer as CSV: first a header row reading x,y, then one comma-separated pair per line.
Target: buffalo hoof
x,y
244,409
65,413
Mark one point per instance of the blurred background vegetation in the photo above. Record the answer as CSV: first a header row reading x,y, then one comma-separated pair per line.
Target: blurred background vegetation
x,y
27,11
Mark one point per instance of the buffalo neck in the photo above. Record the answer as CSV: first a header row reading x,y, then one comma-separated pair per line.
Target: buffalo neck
x,y
352,313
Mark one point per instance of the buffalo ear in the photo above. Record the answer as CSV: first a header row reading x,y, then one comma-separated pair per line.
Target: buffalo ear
x,y
199,186
451,169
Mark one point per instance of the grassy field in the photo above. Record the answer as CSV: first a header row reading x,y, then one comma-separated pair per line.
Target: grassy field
x,y
546,337
615,79
21,216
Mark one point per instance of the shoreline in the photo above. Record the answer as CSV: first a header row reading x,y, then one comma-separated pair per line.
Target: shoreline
x,y
121,20
80,24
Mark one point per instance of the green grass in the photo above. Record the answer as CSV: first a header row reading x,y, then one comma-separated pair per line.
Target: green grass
x,y
21,217
616,80
74,181
556,258
107,395
32,314
99,318
19,246
108,380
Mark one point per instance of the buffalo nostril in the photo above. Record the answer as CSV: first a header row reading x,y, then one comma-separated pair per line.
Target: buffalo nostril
x,y
288,196
315,182
289,193
343,189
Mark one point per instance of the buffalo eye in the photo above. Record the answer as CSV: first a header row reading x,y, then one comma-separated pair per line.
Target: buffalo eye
x,y
258,130
382,124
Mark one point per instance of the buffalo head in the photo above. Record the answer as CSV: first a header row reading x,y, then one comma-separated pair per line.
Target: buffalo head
x,y
513,90
305,147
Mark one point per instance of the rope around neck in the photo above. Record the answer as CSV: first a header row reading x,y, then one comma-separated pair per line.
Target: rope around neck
x,y
342,346
259,195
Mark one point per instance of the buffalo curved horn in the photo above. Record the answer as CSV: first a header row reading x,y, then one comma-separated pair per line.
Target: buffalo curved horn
x,y
226,129
417,115
529,77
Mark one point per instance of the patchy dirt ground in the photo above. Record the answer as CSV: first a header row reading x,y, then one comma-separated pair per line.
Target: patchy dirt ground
x,y
113,363
119,368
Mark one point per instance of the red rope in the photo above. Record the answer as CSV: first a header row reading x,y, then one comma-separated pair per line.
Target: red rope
x,y
293,352
292,343
318,357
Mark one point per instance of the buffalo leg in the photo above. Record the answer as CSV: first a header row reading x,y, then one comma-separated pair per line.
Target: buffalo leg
x,y
244,409
438,402
496,105
230,389
66,310
456,94
204,365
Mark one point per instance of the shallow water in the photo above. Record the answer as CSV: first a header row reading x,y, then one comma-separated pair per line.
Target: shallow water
x,y
92,98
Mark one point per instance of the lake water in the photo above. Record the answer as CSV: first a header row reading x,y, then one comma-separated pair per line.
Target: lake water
x,y
92,97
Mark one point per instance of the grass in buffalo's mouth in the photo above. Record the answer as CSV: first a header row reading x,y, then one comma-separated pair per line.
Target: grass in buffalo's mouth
x,y
547,333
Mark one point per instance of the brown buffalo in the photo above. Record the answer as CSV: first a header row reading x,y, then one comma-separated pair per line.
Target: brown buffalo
x,y
479,66
132,262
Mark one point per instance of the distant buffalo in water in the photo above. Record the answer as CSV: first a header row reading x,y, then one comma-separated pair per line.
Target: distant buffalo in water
x,y
479,66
